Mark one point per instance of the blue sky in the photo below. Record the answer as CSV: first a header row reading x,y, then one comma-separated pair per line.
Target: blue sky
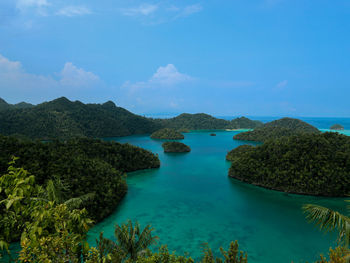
x,y
222,57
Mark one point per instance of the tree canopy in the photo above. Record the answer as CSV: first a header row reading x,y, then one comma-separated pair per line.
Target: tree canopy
x,y
313,164
62,119
175,147
277,129
84,166
167,134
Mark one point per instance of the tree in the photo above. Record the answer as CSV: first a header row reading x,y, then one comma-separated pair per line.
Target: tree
x,y
132,241
329,220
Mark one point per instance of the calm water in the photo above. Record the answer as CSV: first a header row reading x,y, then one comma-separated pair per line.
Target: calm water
x,y
190,200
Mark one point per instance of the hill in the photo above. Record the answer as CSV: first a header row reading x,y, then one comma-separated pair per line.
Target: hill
x,y
83,166
202,121
277,129
175,147
167,134
6,106
62,119
312,164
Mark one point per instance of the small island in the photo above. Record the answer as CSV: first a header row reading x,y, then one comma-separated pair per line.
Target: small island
x,y
175,147
212,134
167,134
337,127
276,129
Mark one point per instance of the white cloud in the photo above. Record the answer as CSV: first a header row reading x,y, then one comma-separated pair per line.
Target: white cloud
x,y
71,11
169,75
16,82
76,77
144,10
282,84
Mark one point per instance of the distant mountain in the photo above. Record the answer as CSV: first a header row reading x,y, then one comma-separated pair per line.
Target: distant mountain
x,y
277,129
6,106
62,118
202,121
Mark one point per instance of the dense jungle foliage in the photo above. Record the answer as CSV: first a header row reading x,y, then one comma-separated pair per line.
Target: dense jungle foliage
x,y
313,164
276,129
201,121
6,106
62,119
238,151
167,134
84,166
337,127
175,147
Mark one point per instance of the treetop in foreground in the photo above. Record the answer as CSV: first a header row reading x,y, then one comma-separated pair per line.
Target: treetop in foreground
x,y
175,147
311,164
167,134
277,129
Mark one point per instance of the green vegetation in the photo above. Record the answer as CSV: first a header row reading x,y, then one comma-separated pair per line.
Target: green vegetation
x,y
5,106
277,129
62,119
236,152
313,164
80,167
175,147
329,220
201,121
337,127
167,134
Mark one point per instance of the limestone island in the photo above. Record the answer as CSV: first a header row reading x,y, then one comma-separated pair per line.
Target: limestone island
x,y
212,134
167,134
175,147
337,127
308,163
276,129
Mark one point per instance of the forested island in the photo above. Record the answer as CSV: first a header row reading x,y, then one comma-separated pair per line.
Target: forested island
x,y
276,129
308,163
175,147
83,166
337,127
167,134
63,119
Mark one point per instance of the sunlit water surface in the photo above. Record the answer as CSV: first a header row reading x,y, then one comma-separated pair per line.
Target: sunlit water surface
x,y
191,200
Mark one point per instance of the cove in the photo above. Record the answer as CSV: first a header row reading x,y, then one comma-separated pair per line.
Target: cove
x,y
190,200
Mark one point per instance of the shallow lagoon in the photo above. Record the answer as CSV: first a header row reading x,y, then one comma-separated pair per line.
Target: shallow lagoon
x,y
190,200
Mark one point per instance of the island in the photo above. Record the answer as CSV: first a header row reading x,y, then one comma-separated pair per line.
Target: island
x,y
212,134
167,134
88,167
310,164
277,129
175,147
338,127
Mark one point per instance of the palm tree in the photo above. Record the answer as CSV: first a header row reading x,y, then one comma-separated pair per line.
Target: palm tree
x,y
132,241
329,220
55,192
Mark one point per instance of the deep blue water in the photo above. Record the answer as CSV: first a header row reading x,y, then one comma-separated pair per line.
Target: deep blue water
x,y
190,200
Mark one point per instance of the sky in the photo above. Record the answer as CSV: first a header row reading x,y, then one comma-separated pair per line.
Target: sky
x,y
221,57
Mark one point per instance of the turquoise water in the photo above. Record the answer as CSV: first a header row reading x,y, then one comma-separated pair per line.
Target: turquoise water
x,y
190,200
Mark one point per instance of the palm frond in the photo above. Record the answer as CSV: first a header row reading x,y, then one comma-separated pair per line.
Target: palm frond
x,y
329,220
